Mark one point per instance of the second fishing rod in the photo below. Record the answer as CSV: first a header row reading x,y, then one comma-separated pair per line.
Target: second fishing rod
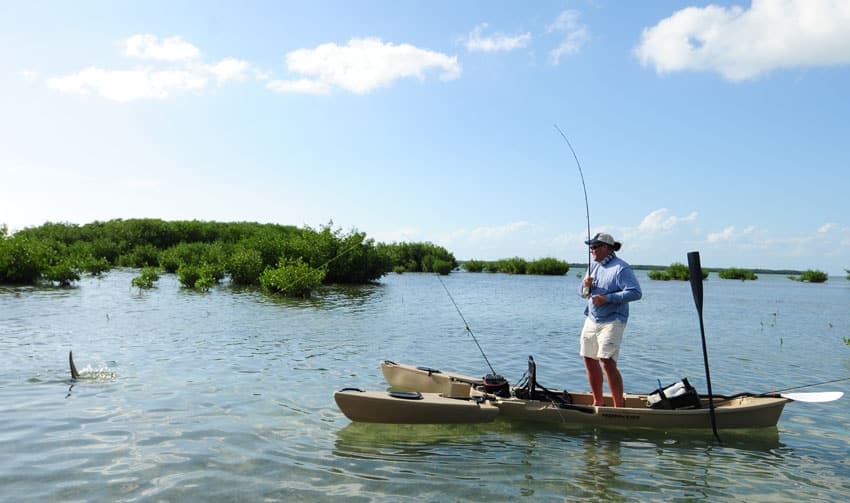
x,y
495,380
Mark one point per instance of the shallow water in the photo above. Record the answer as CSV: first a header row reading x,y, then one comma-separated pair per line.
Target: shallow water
x,y
228,395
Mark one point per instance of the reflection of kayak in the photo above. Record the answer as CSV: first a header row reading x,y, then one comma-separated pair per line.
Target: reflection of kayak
x,y
445,397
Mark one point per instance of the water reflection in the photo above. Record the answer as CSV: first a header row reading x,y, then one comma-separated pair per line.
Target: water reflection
x,y
558,462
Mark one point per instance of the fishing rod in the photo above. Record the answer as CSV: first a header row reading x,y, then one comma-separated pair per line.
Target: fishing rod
x,y
585,290
466,324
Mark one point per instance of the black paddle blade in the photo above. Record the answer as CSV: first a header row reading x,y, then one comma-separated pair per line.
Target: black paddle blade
x,y
695,270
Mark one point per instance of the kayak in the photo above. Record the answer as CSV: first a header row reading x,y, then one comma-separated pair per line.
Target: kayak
x,y
445,397
413,407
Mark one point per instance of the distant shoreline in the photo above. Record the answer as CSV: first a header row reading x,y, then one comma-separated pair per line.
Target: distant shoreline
x,y
718,269
644,267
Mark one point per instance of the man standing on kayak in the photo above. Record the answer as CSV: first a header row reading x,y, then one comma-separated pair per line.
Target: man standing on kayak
x,y
610,285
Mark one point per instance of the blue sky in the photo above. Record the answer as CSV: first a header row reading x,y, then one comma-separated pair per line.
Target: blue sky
x,y
720,127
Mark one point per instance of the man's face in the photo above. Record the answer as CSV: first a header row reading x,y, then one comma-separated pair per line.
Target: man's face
x,y
599,251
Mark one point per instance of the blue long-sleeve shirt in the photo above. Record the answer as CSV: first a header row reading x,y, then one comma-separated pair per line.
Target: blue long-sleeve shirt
x,y
614,278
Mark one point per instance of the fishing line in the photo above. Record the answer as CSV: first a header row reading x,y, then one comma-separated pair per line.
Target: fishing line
x,y
584,188
811,385
326,264
466,324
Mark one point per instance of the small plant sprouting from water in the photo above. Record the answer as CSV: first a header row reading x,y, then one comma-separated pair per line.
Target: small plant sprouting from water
x,y
146,279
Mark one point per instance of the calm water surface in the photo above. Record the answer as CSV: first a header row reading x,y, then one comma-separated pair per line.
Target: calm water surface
x,y
228,395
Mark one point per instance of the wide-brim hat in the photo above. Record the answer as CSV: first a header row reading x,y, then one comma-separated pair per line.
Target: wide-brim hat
x,y
603,238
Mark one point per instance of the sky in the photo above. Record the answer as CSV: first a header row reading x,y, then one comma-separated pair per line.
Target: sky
x,y
719,127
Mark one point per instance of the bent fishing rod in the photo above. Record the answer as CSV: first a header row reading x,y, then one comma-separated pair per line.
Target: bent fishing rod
x,y
466,324
584,188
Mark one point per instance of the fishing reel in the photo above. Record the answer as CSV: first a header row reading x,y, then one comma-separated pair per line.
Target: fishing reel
x,y
495,384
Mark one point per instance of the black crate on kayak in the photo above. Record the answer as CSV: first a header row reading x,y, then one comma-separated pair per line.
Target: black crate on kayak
x,y
679,395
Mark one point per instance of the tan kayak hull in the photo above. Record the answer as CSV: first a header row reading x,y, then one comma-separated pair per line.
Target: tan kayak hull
x,y
430,408
741,412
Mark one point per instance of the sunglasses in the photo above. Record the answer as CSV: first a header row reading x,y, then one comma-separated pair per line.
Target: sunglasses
x,y
596,246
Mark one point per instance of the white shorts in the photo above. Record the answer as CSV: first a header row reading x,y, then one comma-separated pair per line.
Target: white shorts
x,y
601,340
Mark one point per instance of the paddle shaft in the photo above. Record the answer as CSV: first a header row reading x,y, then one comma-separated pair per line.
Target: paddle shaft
x,y
695,270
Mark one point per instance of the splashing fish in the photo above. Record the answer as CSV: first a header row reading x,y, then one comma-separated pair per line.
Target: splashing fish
x,y
102,374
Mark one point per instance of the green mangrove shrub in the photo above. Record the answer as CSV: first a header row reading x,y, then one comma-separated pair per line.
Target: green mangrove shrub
x,y
513,265
245,266
62,272
146,279
201,277
292,277
548,266
204,283
222,248
811,276
736,273
442,267
24,260
416,257
142,255
474,265
188,275
675,271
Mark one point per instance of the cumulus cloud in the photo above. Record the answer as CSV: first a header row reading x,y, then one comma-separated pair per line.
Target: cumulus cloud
x,y
827,228
174,65
145,46
511,238
575,35
361,66
743,44
229,69
661,221
730,233
497,42
301,86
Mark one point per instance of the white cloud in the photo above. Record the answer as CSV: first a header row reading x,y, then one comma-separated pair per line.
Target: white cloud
x,y
29,75
513,238
302,86
660,221
731,234
145,46
826,228
229,69
575,35
501,232
128,85
494,43
364,65
743,44
174,67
